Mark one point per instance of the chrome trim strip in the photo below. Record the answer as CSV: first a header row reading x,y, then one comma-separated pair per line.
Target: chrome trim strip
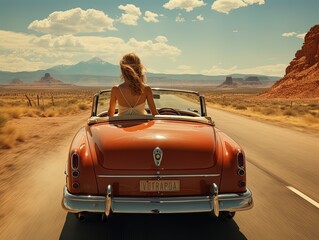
x,y
231,202
158,176
173,200
161,89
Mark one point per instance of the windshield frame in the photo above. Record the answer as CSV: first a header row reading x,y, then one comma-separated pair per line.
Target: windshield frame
x,y
201,99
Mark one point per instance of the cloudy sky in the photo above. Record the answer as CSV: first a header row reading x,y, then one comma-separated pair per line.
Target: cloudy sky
x,y
209,37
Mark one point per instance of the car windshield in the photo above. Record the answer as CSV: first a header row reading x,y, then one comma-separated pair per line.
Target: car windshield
x,y
187,102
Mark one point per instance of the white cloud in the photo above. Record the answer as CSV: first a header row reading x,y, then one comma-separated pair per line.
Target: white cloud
x,y
187,5
235,31
27,52
179,18
225,6
294,34
289,34
61,42
131,15
161,39
271,70
150,16
301,35
73,21
200,18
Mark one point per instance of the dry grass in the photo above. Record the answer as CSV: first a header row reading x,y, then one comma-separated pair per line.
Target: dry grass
x,y
9,136
302,114
45,102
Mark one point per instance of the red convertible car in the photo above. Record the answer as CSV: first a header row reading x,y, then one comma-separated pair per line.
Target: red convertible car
x,y
174,162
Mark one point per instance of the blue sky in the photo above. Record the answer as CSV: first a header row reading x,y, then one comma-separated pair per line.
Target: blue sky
x,y
171,36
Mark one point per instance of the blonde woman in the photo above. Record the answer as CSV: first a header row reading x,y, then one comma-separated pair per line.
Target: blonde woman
x,y
133,93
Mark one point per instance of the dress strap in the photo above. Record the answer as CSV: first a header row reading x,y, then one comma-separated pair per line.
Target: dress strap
x,y
137,101
125,98
127,101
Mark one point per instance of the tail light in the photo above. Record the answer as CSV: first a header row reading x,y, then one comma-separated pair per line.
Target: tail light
x,y
75,164
75,161
240,160
241,164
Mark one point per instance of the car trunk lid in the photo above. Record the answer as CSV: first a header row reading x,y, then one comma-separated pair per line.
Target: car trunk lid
x,y
134,145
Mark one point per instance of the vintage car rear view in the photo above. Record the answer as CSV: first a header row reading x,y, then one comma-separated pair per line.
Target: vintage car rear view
x,y
174,162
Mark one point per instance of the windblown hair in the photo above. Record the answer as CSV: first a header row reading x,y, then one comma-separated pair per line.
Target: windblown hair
x,y
133,72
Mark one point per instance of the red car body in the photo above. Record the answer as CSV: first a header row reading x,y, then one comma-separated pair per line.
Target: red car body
x,y
170,163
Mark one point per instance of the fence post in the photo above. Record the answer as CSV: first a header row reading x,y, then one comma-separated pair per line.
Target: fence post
x,y
30,104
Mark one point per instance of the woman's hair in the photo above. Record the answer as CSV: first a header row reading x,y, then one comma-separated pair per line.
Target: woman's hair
x,y
133,72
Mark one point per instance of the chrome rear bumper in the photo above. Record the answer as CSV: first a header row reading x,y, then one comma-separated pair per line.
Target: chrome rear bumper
x,y
214,203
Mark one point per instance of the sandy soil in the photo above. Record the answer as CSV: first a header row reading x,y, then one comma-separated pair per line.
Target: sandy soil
x,y
42,137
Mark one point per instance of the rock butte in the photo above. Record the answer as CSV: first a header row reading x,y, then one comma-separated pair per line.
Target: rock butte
x,y
302,75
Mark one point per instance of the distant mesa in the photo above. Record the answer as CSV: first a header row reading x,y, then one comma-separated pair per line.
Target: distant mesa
x,y
16,81
48,80
252,80
231,82
302,75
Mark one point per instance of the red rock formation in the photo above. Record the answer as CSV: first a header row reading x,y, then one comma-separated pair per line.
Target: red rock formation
x,y
302,75
48,80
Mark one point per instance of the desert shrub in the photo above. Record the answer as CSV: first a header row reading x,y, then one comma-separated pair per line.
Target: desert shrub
x,y
311,119
312,106
9,136
300,110
83,106
29,114
240,107
72,101
256,109
15,112
49,112
290,113
268,111
16,103
225,103
3,120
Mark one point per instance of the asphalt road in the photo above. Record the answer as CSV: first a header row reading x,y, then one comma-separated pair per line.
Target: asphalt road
x,y
277,158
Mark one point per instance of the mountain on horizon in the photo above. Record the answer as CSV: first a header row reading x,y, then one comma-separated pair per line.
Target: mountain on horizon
x,y
97,72
94,66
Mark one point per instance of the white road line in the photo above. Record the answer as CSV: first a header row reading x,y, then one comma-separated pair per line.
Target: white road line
x,y
313,202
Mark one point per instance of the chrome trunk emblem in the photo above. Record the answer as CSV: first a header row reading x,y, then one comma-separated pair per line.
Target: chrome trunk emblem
x,y
157,156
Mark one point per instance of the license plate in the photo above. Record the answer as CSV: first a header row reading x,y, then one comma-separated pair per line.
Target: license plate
x,y
160,186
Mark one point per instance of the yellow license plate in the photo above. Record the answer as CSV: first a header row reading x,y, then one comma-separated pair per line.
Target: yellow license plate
x,y
160,186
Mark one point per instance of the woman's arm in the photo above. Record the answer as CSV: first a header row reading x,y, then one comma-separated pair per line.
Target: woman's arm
x,y
150,100
111,110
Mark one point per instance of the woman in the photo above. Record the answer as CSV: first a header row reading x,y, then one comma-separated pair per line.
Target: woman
x,y
133,92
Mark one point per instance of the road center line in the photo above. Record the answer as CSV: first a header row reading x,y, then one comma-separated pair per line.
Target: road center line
x,y
313,202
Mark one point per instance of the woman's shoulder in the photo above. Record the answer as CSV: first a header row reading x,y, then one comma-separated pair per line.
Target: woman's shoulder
x,y
147,88
117,87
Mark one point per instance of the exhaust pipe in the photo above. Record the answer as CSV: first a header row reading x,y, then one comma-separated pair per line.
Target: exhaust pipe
x,y
81,216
